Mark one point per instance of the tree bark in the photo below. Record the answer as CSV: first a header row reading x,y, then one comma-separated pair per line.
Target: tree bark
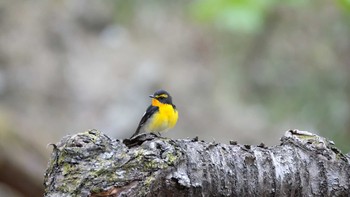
x,y
92,164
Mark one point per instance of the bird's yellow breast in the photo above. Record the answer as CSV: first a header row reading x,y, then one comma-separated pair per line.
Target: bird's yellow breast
x,y
165,118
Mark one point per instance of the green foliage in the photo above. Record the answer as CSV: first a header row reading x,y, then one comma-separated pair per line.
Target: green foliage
x,y
345,4
238,15
242,16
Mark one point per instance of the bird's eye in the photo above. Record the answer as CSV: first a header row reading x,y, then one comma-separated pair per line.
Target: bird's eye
x,y
161,97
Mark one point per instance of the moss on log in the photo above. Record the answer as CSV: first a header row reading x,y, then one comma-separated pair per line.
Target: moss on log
x,y
92,164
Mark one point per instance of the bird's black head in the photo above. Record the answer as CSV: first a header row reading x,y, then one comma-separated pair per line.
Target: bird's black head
x,y
162,96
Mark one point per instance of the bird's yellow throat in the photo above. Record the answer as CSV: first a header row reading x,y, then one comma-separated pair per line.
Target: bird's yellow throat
x,y
165,118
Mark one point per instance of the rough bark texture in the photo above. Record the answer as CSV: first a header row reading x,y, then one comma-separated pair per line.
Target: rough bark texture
x,y
91,164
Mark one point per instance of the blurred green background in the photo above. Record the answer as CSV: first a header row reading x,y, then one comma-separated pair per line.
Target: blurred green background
x,y
239,70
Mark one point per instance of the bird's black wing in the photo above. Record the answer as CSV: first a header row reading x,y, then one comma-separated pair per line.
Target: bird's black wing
x,y
149,112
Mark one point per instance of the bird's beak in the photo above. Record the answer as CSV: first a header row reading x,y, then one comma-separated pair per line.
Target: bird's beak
x,y
151,96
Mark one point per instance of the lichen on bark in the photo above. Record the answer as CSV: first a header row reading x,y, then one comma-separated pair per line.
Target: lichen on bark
x,y
92,164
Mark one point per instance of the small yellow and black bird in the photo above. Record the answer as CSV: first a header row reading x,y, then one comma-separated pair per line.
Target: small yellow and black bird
x,y
160,116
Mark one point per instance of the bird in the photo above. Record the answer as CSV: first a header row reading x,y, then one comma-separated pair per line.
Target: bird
x,y
160,116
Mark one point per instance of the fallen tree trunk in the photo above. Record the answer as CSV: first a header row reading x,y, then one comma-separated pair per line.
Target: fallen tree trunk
x,y
92,164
